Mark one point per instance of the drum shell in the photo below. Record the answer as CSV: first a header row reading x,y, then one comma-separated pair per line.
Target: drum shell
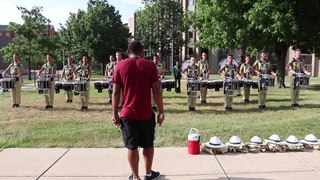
x,y
231,85
44,83
68,86
266,80
80,86
301,79
193,85
7,83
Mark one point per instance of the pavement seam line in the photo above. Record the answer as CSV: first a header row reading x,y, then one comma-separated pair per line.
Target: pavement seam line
x,y
222,167
53,164
318,172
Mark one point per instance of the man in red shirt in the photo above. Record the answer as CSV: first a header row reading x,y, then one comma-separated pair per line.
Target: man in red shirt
x,y
135,76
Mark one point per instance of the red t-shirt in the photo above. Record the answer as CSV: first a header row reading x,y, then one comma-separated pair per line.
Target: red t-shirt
x,y
135,76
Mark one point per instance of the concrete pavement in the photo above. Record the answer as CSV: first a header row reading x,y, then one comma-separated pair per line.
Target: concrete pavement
x,y
173,163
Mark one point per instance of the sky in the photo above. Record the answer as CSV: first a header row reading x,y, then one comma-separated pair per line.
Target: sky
x,y
58,11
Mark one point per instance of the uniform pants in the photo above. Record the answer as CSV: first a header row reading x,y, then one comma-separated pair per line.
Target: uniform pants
x,y
192,98
228,99
203,93
84,96
16,92
153,103
294,92
246,93
69,95
262,96
49,94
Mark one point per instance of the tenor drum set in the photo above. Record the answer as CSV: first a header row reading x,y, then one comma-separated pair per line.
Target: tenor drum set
x,y
7,83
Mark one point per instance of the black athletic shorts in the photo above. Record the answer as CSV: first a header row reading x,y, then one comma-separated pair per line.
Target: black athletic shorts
x,y
138,133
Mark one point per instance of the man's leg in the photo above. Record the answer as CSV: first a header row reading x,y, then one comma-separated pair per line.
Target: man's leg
x,y
148,159
133,158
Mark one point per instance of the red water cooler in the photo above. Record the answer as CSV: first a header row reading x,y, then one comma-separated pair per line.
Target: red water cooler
x,y
193,141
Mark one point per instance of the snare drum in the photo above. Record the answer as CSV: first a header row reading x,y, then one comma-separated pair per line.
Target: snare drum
x,y
231,84
80,86
58,86
193,85
266,80
169,84
7,83
43,83
68,85
100,85
301,79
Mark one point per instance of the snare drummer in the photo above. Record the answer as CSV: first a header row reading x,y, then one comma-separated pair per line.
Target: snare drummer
x,y
263,66
161,72
192,72
296,65
246,74
84,73
50,72
67,75
109,73
16,70
205,70
229,70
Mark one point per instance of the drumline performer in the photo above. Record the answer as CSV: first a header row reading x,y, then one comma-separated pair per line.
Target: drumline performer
x,y
110,67
68,75
262,66
118,59
84,73
228,71
246,74
16,70
161,74
192,72
50,72
205,70
296,65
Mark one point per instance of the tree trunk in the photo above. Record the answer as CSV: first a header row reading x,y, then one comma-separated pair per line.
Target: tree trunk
x,y
281,54
29,61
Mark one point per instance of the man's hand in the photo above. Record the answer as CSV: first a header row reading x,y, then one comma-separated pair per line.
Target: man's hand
x,y
160,118
116,120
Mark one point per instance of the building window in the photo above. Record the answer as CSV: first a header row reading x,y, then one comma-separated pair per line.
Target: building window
x,y
190,51
7,34
191,3
190,34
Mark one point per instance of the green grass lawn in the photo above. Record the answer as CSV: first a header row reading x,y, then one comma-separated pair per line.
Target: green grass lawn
x,y
66,126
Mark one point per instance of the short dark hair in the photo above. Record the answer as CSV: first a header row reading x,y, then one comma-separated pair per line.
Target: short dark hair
x,y
248,56
135,47
49,54
230,55
264,51
17,54
297,49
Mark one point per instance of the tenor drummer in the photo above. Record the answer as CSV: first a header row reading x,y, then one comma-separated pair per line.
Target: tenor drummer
x,y
205,70
50,72
109,73
294,66
229,71
67,75
161,73
263,67
192,72
16,70
246,74
84,73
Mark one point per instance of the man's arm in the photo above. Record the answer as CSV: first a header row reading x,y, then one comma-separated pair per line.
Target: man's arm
x,y
115,102
158,99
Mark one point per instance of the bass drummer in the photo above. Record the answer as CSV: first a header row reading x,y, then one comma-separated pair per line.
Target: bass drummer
x,y
16,70
294,66
192,73
67,75
84,73
246,74
50,72
229,71
263,67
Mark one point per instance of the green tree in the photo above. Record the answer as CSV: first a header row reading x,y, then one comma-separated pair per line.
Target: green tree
x,y
160,26
26,35
98,32
258,24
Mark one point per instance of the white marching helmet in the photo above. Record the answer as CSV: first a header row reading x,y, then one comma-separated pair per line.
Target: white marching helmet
x,y
293,141
235,141
214,142
311,139
274,138
255,140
